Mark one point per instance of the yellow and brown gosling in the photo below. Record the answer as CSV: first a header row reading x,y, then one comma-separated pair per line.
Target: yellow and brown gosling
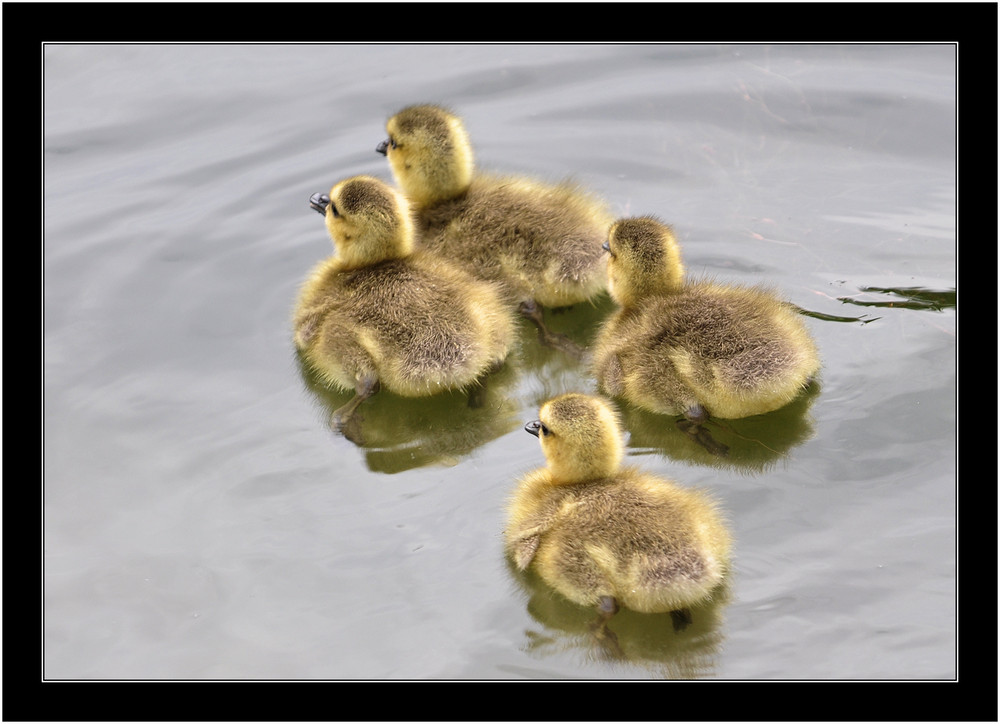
x,y
697,349
381,314
608,535
542,241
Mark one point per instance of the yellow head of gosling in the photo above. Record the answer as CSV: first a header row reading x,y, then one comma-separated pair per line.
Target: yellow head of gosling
x,y
580,436
643,258
429,152
368,221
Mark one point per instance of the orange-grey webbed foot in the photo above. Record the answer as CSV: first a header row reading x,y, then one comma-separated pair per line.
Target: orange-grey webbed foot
x,y
553,340
346,420
693,425
607,607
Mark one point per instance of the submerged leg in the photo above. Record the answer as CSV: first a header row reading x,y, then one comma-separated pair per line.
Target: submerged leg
x,y
693,425
532,311
477,393
344,419
681,618
607,607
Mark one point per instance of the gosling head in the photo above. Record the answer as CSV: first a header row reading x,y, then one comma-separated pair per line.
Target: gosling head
x,y
580,436
367,219
429,152
643,259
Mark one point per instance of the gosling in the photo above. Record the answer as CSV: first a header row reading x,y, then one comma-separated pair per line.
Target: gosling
x,y
696,349
608,536
380,314
541,241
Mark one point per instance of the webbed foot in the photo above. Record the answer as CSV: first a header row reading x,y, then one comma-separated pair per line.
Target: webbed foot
x,y
561,342
349,425
607,607
346,420
699,433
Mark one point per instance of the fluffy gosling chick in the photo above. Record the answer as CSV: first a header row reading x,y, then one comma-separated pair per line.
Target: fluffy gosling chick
x,y
696,349
605,535
380,314
541,241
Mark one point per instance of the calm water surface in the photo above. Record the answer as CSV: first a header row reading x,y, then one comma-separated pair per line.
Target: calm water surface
x,y
202,521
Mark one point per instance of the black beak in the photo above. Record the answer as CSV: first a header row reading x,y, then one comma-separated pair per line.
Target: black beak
x,y
606,246
319,202
381,148
533,427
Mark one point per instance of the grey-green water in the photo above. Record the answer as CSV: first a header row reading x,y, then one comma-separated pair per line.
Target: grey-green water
x,y
203,522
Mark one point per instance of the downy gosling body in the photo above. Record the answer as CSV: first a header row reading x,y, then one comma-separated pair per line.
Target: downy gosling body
x,y
542,241
605,535
696,349
380,314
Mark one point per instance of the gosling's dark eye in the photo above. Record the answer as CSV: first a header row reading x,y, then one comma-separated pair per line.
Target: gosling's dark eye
x,y
392,142
333,210
545,431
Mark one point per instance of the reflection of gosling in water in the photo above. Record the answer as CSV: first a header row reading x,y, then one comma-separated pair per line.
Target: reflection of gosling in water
x,y
608,536
542,241
696,349
379,314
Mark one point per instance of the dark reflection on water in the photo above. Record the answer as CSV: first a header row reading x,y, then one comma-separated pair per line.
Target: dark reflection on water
x,y
755,444
401,433
404,433
646,640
